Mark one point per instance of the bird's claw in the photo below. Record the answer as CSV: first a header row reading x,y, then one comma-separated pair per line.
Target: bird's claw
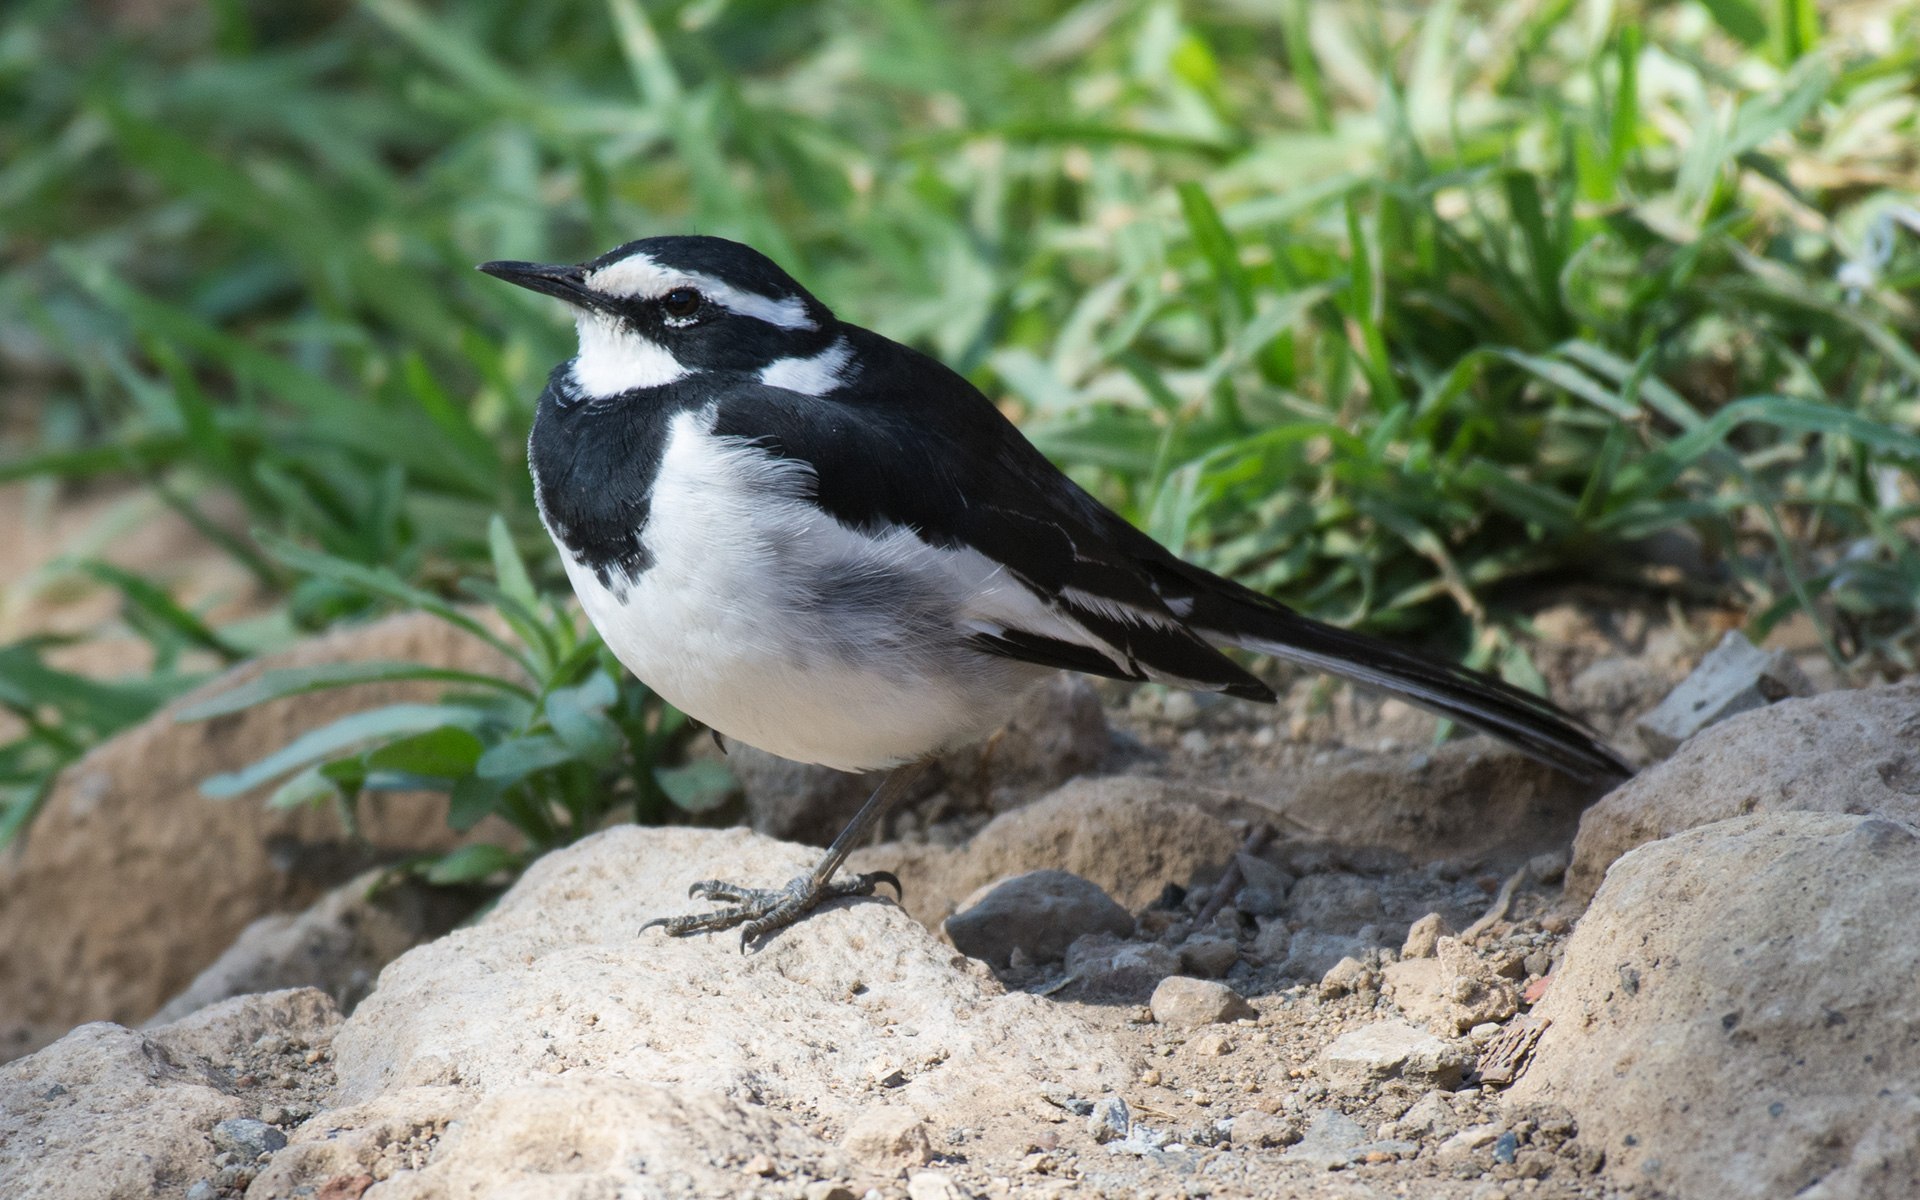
x,y
762,911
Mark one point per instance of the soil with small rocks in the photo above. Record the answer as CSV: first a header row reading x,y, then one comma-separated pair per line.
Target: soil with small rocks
x,y
1302,952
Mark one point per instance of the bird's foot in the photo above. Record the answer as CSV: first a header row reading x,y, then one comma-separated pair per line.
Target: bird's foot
x,y
761,911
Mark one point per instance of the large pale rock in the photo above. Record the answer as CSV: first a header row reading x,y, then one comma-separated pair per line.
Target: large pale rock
x,y
1852,752
1450,992
1735,1014
108,1113
1058,731
1131,836
557,1002
130,881
337,945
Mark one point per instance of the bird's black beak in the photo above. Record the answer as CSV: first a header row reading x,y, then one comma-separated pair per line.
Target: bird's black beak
x,y
569,283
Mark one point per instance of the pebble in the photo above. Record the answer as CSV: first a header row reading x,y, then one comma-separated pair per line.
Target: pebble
x,y
1110,1120
759,1164
888,1135
1506,1147
827,1189
1105,964
933,1185
246,1138
1187,1003
1347,975
1039,914
1213,1045
1392,1049
1209,956
1423,936
202,1189
1260,1129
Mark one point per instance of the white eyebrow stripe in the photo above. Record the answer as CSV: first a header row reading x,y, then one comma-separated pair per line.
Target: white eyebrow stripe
x,y
815,376
639,275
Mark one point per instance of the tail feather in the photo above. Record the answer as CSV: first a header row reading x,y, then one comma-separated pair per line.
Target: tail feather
x,y
1531,724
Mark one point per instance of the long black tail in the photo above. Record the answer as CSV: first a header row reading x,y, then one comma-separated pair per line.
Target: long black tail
x,y
1533,725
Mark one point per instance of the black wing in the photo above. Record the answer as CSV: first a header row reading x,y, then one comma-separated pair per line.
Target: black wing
x,y
909,442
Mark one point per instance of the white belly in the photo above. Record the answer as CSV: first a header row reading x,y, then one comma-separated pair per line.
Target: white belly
x,y
768,620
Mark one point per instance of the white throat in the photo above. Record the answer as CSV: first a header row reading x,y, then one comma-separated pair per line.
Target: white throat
x,y
613,359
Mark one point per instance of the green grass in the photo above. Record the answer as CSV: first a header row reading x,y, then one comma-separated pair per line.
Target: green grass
x,y
1382,308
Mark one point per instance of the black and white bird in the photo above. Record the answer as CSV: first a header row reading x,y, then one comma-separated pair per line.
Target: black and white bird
x,y
832,547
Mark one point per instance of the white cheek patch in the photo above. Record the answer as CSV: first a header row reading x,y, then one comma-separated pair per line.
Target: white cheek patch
x,y
814,376
638,275
613,359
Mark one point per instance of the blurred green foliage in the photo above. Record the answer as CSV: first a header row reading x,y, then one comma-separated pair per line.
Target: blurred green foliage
x,y
1377,306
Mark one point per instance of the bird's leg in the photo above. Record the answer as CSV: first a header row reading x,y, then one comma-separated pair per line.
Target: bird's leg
x,y
760,911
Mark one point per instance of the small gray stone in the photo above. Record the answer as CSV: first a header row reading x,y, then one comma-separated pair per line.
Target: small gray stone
x,y
1257,901
1188,1003
1110,1121
1257,1129
1389,1050
1209,956
1273,942
1335,902
1040,914
1346,976
1108,966
1330,1140
246,1138
1311,954
1735,677
203,1189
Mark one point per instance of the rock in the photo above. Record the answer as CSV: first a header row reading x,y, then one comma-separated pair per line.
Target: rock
x,y
1040,913
1430,1114
1058,731
1187,1003
1734,1016
1854,752
1335,902
1331,1139
933,1185
1311,954
888,1137
1209,956
1258,1129
1273,942
1365,1057
1130,835
338,945
130,881
827,1189
554,1032
1735,677
1109,1121
1470,797
1451,992
1613,691
1347,975
1423,936
109,1112
247,1138
1109,967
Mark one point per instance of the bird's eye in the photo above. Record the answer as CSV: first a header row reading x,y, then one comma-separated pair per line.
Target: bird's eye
x,y
681,303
